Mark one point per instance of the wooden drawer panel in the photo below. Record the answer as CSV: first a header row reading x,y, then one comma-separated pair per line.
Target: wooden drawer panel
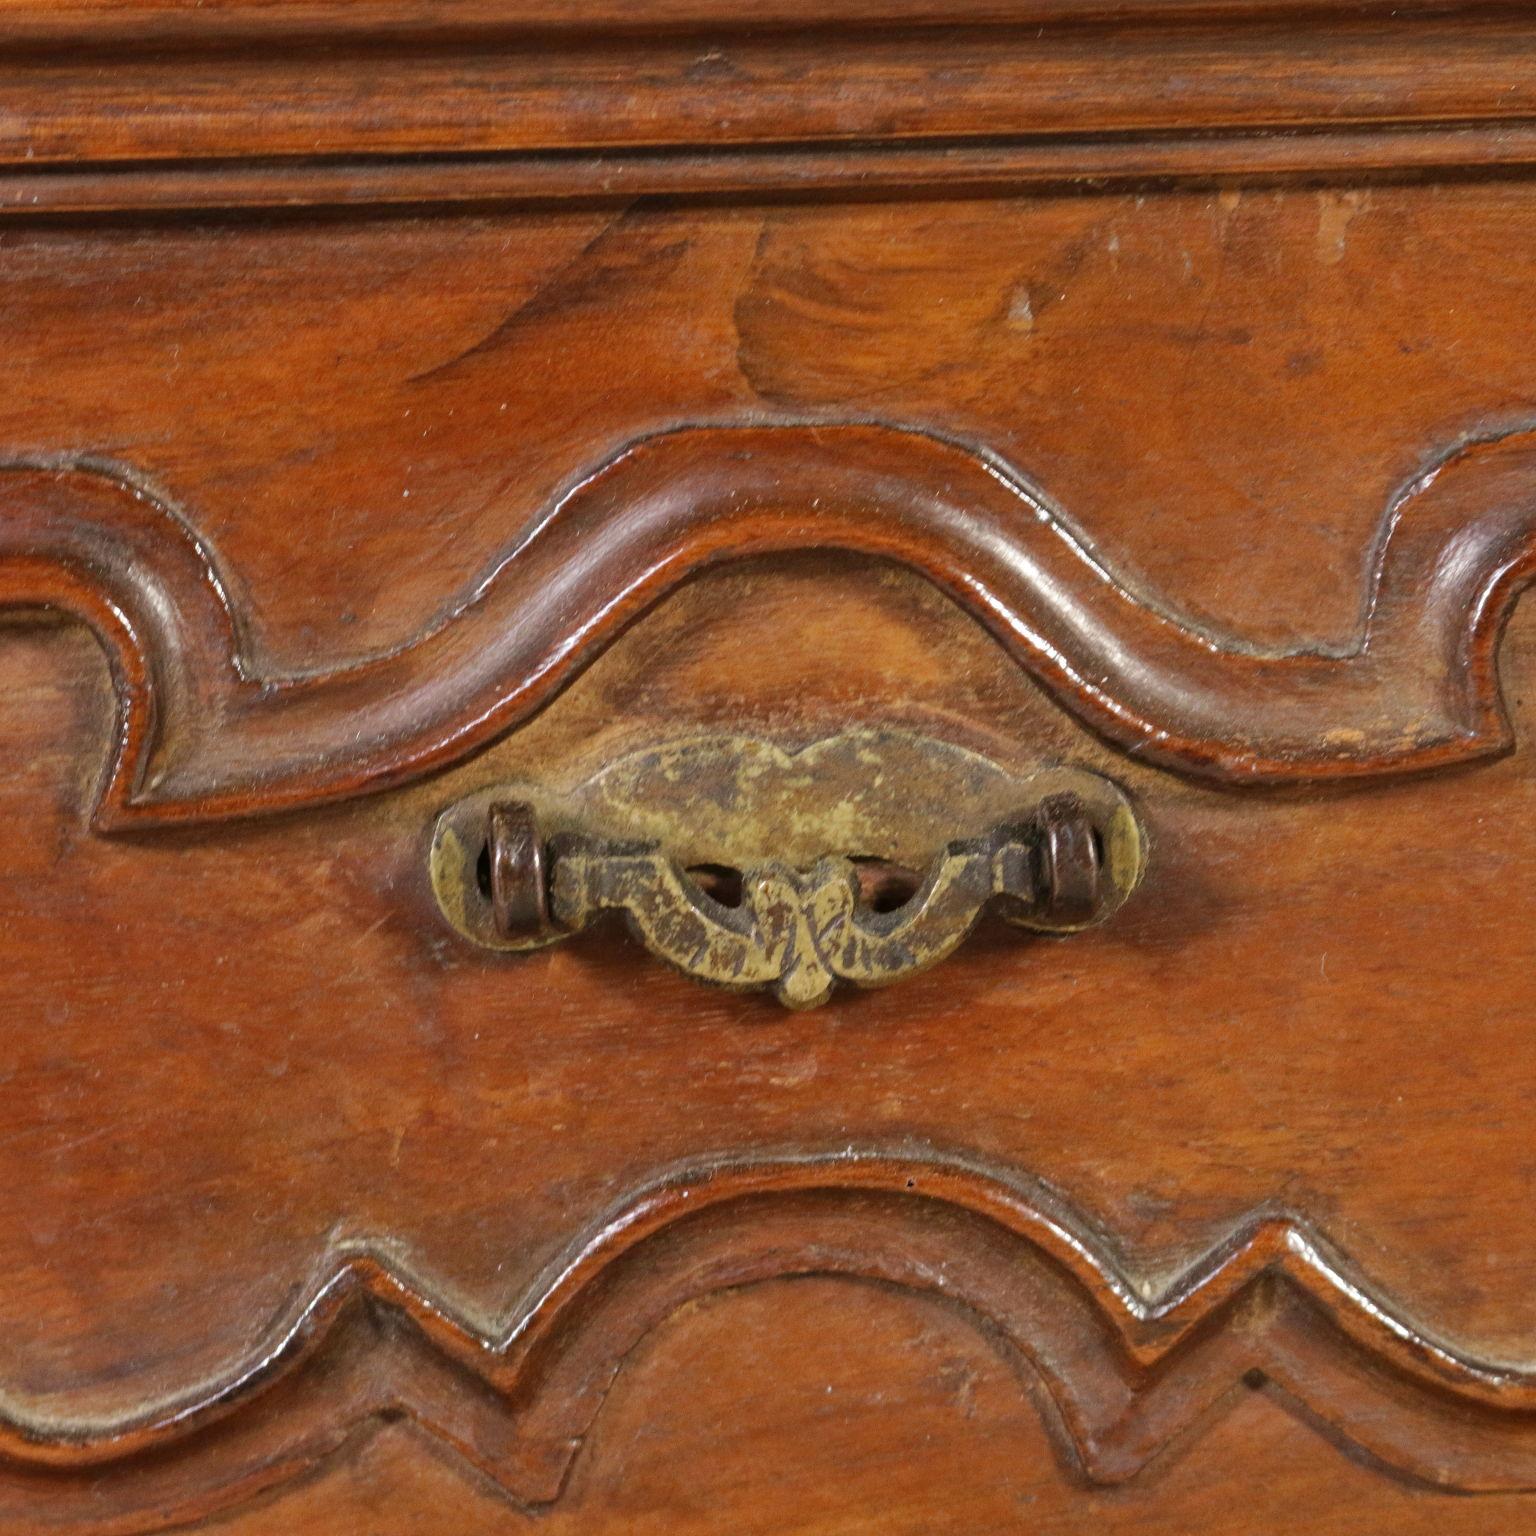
x,y
1202,459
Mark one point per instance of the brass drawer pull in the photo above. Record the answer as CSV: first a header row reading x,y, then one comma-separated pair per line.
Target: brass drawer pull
x,y
1061,862
797,931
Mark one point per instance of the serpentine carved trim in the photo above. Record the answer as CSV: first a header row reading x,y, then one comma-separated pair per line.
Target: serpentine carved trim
x,y
1124,1367
204,737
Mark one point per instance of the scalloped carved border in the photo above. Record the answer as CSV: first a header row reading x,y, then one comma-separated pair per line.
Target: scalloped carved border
x,y
1125,1367
203,737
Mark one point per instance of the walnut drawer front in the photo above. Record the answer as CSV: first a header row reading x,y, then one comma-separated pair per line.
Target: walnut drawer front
x,y
532,537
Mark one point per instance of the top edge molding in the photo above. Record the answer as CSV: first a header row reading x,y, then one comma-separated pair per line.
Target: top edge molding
x,y
130,98
134,22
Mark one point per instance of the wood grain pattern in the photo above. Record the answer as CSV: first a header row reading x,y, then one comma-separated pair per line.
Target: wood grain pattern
x,y
341,1070
892,1417
1059,330
317,1220
138,21
1131,1366
705,82
989,168
203,737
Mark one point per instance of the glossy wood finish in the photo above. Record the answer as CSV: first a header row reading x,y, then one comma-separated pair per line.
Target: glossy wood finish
x,y
140,21
1004,376
724,82
163,106
1127,1368
202,735
885,1416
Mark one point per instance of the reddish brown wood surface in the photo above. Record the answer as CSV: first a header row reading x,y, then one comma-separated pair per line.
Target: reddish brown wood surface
x,y
887,1417
204,21
889,85
319,1219
205,735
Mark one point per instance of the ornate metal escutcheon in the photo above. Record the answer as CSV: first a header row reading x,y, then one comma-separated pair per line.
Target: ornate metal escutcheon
x,y
863,858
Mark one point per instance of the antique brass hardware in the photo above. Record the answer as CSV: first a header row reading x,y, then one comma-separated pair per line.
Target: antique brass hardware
x,y
511,873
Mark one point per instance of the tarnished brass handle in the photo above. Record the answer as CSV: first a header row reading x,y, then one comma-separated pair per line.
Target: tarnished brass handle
x,y
524,866
798,932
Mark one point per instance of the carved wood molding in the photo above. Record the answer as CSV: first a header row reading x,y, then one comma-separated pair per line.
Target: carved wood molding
x,y
987,167
786,96
1126,1368
34,22
203,737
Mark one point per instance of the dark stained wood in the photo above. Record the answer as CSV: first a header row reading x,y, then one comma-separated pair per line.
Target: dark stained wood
x,y
205,735
1137,385
884,1415
205,21
986,168
726,88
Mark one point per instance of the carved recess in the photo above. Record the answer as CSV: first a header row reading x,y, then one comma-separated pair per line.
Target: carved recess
x,y
1129,1367
203,737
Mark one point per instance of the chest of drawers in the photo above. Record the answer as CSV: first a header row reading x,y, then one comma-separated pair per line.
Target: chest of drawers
x,y
766,768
